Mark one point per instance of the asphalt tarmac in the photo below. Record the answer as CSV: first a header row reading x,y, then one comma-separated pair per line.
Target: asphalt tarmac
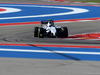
x,y
24,34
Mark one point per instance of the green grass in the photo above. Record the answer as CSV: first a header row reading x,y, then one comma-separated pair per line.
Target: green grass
x,y
85,0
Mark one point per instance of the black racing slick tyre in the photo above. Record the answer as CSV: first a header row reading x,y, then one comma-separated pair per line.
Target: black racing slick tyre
x,y
35,31
40,33
65,32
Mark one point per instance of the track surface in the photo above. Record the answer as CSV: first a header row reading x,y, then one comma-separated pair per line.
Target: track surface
x,y
24,34
12,66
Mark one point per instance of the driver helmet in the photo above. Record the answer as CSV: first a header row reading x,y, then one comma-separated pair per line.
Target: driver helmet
x,y
49,24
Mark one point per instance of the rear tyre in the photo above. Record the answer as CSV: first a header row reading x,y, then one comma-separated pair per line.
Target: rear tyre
x,y
35,31
65,32
40,33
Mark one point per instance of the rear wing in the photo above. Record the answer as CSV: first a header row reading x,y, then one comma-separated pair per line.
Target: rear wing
x,y
46,22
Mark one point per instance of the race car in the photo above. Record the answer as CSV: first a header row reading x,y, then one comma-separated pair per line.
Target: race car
x,y
49,30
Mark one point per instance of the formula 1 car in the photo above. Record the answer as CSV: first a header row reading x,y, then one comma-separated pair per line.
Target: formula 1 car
x,y
49,30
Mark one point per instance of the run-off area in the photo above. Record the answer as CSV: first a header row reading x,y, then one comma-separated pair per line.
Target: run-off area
x,y
44,52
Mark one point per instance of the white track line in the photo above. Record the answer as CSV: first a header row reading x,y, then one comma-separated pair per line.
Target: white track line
x,y
9,10
74,11
45,51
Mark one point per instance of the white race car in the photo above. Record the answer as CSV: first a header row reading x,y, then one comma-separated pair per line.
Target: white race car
x,y
48,29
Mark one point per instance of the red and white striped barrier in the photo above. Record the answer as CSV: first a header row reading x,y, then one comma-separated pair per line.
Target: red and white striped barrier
x,y
71,1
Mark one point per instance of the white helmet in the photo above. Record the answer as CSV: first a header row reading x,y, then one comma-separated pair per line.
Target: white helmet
x,y
49,24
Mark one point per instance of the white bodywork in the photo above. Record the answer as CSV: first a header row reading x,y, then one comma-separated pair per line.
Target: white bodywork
x,y
53,30
50,28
